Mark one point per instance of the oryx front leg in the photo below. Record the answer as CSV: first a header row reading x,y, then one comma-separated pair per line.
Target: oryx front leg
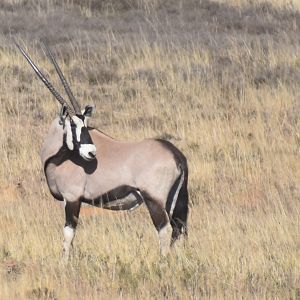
x,y
72,213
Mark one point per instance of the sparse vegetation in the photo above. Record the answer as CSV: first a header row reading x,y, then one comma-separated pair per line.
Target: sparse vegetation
x,y
220,79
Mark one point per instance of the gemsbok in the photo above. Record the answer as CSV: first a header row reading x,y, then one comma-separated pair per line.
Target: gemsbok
x,y
84,165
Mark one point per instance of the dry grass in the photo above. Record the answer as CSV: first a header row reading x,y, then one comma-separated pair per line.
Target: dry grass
x,y
222,86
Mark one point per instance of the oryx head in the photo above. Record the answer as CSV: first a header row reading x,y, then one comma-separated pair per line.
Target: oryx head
x,y
76,134
72,119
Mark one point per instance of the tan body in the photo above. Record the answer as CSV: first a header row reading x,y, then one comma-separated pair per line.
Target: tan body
x,y
146,166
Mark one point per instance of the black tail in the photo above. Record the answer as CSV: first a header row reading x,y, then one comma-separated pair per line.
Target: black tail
x,y
180,213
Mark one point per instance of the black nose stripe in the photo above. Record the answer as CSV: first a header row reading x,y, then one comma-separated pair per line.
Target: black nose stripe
x,y
85,137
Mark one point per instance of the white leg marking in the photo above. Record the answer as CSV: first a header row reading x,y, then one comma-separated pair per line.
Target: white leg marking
x,y
69,233
165,239
176,194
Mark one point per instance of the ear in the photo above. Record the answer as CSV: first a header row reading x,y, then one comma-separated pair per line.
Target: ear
x,y
63,114
88,111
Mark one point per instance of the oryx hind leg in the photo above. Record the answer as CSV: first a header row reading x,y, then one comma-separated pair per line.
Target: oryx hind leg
x,y
161,222
72,210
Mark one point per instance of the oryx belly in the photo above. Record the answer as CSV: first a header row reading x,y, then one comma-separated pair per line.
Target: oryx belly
x,y
129,202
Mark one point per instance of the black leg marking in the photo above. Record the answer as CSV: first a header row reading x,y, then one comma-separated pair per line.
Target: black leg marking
x,y
72,210
158,214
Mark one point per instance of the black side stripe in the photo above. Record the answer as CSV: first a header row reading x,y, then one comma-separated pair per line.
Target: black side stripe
x,y
112,195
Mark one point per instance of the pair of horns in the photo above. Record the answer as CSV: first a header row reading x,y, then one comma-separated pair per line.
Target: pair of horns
x,y
71,110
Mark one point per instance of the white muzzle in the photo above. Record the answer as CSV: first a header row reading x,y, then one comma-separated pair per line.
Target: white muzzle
x,y
87,151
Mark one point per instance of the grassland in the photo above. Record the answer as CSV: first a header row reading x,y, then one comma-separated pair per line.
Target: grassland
x,y
219,79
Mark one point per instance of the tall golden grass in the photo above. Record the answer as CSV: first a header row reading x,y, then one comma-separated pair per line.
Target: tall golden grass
x,y
239,133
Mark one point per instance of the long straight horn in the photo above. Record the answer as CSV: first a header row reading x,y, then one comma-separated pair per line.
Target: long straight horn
x,y
45,81
63,80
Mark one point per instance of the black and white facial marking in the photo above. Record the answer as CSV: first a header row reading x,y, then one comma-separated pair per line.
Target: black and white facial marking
x,y
77,135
